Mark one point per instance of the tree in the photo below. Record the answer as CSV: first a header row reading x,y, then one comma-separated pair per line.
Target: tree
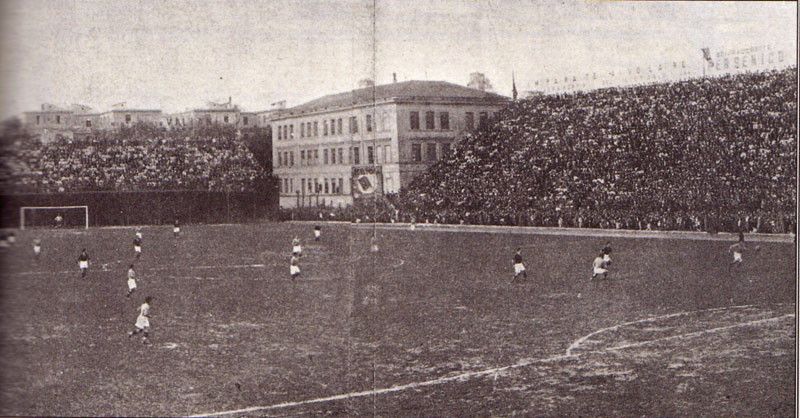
x,y
480,82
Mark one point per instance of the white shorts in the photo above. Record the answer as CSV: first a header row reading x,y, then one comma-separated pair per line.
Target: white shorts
x,y
83,264
413,227
37,249
294,270
142,322
176,230
519,268
316,233
131,284
600,270
737,257
297,249
606,258
137,248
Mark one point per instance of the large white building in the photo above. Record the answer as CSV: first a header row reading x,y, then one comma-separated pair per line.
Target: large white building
x,y
394,131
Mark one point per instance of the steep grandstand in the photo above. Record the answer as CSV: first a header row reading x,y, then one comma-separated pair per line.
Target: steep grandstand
x,y
141,158
665,156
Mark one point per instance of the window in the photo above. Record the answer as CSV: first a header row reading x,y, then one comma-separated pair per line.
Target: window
x,y
333,155
302,157
356,156
325,156
326,186
339,126
416,152
341,185
353,125
225,118
445,150
429,120
316,157
444,121
280,159
341,152
291,158
469,121
325,128
387,154
333,127
244,120
316,185
414,116
310,187
308,129
58,118
291,185
370,155
432,152
369,123
316,131
38,119
483,121
291,131
302,185
302,130
88,123
127,118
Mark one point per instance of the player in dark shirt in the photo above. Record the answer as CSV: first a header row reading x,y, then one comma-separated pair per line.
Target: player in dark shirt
x,y
607,253
83,262
137,246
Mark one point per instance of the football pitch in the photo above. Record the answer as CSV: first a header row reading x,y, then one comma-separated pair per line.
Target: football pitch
x,y
429,325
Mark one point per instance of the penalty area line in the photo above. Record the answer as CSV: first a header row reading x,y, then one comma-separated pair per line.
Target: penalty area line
x,y
486,372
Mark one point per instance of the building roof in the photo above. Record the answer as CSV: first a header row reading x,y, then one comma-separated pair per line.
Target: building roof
x,y
406,90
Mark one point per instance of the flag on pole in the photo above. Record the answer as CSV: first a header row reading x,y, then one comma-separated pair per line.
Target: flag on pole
x,y
513,87
707,56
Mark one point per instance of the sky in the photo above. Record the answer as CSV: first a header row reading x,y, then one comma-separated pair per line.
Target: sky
x,y
174,55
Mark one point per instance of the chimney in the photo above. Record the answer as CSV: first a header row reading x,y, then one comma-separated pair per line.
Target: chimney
x,y
394,77
230,99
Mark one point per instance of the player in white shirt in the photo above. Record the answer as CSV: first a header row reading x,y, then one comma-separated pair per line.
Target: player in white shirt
x,y
294,267
37,248
143,320
297,250
131,281
599,267
317,232
12,239
176,230
59,219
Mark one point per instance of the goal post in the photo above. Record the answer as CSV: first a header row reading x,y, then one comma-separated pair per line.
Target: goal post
x,y
53,217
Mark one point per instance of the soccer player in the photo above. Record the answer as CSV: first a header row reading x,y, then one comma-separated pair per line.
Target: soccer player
x,y
137,245
58,220
599,267
294,267
607,253
317,232
519,268
143,320
83,262
11,238
37,248
131,281
738,249
176,230
297,250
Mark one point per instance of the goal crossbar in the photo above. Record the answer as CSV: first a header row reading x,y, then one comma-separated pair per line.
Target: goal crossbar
x,y
25,208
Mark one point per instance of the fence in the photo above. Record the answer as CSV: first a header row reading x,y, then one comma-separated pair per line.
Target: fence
x,y
153,207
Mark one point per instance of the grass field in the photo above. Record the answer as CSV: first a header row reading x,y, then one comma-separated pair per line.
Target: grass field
x,y
427,326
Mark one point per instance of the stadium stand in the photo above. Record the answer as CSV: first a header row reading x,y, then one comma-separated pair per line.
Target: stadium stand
x,y
141,158
709,153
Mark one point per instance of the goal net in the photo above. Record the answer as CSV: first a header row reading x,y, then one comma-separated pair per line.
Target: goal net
x,y
53,217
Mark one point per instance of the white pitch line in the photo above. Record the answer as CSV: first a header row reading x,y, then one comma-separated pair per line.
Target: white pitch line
x,y
583,339
492,371
234,266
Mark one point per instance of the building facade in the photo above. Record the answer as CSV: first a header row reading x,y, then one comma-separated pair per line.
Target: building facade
x,y
397,129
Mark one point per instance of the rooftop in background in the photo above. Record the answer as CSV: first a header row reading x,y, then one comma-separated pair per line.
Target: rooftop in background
x,y
406,90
